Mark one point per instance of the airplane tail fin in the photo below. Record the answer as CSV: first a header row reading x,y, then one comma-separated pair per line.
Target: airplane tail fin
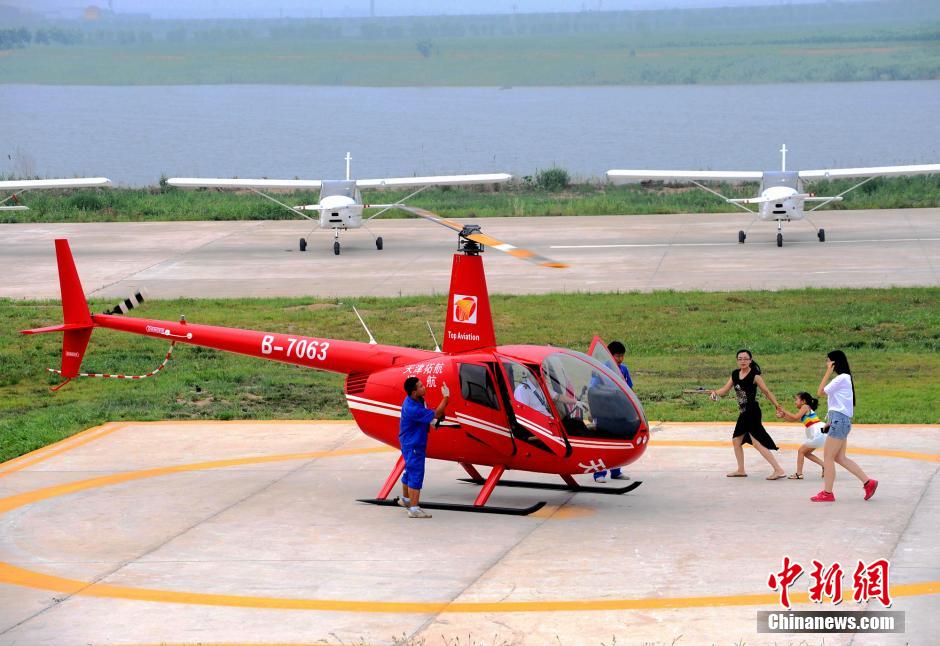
x,y
76,318
469,323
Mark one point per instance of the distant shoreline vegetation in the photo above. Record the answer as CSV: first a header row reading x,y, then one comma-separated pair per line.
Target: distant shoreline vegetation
x,y
828,42
548,193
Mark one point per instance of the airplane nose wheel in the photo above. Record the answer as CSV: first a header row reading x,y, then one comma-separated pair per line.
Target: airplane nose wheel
x,y
821,234
336,248
378,243
779,239
741,237
303,244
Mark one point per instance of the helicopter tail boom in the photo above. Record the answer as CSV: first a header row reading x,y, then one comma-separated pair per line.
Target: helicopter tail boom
x,y
344,357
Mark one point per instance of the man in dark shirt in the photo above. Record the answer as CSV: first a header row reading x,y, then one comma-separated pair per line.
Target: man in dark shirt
x,y
413,438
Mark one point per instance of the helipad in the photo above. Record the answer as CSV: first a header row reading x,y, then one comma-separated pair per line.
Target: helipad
x,y
238,532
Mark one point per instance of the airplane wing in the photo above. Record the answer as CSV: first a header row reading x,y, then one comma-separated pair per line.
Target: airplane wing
x,y
38,184
623,176
472,232
434,180
875,171
258,184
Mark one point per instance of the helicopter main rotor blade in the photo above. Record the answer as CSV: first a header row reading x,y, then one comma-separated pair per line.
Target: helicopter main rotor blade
x,y
485,240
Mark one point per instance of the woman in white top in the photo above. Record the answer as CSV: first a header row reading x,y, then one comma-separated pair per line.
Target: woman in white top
x,y
841,395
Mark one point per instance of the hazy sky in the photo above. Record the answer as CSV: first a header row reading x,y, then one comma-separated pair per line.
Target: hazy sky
x,y
333,8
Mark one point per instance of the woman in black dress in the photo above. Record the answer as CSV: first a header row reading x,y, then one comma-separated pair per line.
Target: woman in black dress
x,y
749,429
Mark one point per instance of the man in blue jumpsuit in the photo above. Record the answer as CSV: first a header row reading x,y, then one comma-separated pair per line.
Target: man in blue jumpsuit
x,y
618,351
413,438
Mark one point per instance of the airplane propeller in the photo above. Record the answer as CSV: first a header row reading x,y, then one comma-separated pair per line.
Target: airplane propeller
x,y
472,232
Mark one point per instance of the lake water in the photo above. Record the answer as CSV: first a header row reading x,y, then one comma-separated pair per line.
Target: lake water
x,y
133,134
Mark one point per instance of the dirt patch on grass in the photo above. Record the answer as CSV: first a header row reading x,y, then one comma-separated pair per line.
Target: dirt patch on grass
x,y
312,307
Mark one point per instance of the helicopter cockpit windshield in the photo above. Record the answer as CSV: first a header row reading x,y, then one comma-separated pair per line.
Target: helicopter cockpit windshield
x,y
589,401
341,187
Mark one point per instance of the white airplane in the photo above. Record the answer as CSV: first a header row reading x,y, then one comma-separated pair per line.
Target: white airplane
x,y
782,196
340,206
15,188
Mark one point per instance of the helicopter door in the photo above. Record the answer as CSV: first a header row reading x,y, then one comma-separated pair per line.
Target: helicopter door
x,y
531,409
479,412
600,352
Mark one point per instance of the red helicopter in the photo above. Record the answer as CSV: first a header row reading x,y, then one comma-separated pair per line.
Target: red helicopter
x,y
530,408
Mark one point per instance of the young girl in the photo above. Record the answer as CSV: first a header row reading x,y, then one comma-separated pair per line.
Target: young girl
x,y
841,394
815,438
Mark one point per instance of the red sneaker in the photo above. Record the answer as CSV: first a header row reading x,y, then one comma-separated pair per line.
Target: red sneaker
x,y
823,496
870,487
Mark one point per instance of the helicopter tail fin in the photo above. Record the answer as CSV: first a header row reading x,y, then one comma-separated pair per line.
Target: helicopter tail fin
x,y
469,323
76,324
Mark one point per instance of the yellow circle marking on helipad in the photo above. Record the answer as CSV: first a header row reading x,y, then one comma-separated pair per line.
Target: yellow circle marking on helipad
x,y
567,512
14,575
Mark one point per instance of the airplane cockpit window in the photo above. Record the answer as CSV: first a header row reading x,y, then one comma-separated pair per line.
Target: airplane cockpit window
x,y
476,385
345,188
790,179
525,387
589,401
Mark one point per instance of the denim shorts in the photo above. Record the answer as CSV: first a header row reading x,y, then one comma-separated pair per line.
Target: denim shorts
x,y
840,425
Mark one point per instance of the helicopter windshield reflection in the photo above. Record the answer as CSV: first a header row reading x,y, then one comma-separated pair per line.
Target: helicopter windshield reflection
x,y
589,402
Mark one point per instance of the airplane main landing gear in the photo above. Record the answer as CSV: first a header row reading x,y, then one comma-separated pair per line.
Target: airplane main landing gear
x,y
378,243
821,234
303,244
741,237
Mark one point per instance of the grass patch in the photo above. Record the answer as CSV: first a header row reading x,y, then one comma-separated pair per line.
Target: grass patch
x,y
516,200
674,341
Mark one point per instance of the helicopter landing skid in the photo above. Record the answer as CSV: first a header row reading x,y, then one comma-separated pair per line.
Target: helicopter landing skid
x,y
559,487
446,506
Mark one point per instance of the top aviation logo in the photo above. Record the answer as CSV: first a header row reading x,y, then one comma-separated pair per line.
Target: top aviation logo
x,y
465,308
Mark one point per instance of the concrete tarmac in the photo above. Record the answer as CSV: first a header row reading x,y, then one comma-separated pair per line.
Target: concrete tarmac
x,y
880,248
239,532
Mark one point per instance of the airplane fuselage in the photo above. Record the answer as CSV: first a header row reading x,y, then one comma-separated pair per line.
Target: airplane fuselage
x,y
340,205
340,212
781,196
783,203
